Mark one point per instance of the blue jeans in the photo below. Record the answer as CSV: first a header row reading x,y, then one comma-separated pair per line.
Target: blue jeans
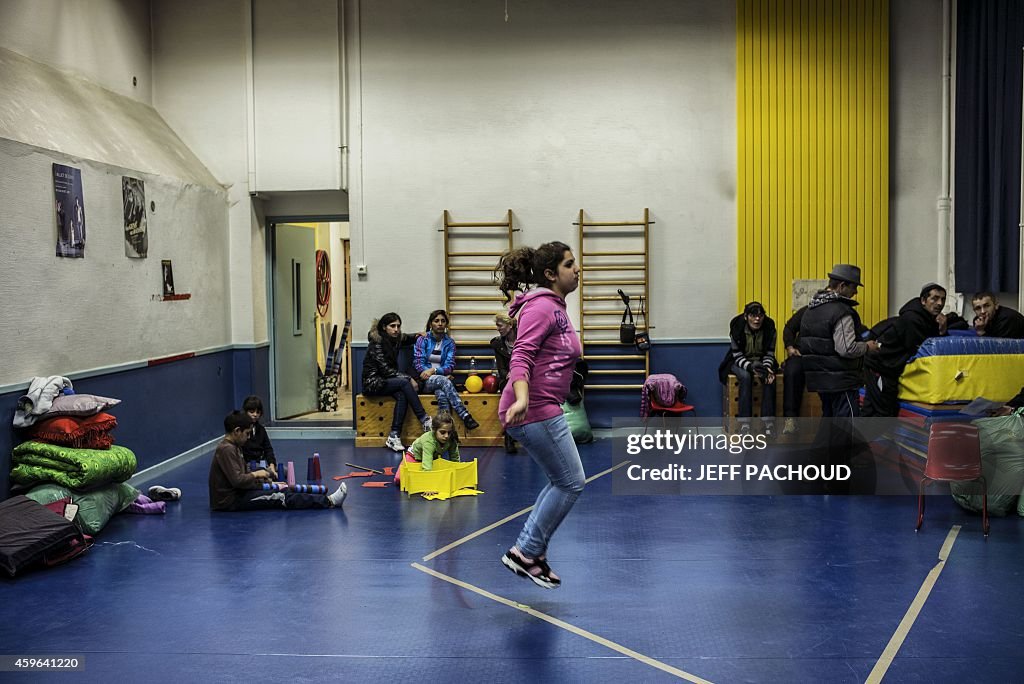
x,y
550,444
401,389
746,383
448,398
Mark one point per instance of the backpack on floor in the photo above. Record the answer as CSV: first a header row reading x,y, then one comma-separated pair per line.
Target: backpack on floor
x,y
32,534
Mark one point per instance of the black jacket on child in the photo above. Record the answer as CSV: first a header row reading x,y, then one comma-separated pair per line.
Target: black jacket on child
x,y
258,447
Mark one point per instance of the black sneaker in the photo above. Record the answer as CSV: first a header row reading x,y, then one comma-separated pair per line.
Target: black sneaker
x,y
470,422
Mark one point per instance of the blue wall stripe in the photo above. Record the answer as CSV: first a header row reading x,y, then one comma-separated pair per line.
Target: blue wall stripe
x,y
118,368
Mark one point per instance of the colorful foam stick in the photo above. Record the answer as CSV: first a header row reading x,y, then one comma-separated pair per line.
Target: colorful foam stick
x,y
310,489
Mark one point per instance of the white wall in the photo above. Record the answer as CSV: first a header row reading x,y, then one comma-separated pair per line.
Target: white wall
x,y
71,315
59,111
606,106
297,95
67,315
915,149
199,74
103,41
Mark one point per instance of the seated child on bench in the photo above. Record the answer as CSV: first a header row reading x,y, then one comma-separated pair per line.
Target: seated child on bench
x,y
233,488
441,442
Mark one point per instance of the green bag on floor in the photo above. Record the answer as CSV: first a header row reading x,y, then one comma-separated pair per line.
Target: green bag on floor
x,y
1002,463
579,425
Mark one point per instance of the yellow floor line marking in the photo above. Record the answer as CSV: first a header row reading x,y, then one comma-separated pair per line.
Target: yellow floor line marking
x,y
566,626
485,530
916,605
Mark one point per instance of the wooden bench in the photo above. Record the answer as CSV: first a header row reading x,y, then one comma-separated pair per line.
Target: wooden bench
x,y
810,406
373,420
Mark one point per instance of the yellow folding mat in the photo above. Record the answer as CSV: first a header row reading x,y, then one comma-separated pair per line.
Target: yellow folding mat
x,y
938,379
446,478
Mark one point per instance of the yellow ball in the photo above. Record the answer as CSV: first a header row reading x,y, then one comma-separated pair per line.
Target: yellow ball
x,y
474,383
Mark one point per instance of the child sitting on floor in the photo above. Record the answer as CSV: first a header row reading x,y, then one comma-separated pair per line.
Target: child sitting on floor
x,y
441,442
233,488
258,447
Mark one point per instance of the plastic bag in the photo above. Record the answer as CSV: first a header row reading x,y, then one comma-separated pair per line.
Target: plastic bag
x,y
579,425
1002,463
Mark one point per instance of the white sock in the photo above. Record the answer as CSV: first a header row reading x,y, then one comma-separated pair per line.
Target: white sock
x,y
338,497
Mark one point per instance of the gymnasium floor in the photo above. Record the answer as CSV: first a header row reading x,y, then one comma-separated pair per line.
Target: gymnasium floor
x,y
720,589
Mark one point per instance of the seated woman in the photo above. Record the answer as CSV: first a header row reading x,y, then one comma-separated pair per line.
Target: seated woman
x,y
434,361
382,377
502,346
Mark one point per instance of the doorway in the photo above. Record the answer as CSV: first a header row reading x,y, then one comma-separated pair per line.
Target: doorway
x,y
308,305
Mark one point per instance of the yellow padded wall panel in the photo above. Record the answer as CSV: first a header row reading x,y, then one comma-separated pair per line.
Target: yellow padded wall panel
x,y
812,93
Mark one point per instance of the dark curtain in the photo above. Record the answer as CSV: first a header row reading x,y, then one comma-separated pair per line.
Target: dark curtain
x,y
989,38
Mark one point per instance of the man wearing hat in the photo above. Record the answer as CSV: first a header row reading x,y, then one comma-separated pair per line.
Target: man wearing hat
x,y
830,346
919,319
751,354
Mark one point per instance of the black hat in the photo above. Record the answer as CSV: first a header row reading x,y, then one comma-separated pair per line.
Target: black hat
x,y
929,287
848,273
753,308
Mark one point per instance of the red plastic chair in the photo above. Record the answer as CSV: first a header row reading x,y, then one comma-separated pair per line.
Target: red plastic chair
x,y
954,455
676,409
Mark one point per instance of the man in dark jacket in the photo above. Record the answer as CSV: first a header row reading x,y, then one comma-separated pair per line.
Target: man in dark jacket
x,y
832,353
919,319
751,354
792,371
832,356
993,320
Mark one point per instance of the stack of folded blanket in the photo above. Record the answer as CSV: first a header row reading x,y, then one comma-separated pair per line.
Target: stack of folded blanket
x,y
70,452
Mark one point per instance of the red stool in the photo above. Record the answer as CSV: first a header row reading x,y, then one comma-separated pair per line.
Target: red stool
x,y
676,409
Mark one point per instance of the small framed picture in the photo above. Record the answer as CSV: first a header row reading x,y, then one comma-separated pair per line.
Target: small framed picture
x,y
168,277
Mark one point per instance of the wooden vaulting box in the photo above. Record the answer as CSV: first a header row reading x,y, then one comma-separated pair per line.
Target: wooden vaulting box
x,y
810,407
373,420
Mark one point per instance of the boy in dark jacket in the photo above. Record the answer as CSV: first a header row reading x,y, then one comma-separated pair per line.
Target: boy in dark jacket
x,y
234,488
258,446
751,354
919,319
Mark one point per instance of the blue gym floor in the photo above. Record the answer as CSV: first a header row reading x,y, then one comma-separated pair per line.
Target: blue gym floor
x,y
722,589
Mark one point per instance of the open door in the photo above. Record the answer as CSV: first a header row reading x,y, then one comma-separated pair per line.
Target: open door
x,y
294,316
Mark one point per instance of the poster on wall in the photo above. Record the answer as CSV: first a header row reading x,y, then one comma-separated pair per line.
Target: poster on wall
x,y
70,205
136,237
168,279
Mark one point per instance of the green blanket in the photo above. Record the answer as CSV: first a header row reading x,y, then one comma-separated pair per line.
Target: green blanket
x,y
37,462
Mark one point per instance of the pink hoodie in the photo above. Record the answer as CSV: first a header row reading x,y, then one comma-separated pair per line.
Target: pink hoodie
x,y
544,355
